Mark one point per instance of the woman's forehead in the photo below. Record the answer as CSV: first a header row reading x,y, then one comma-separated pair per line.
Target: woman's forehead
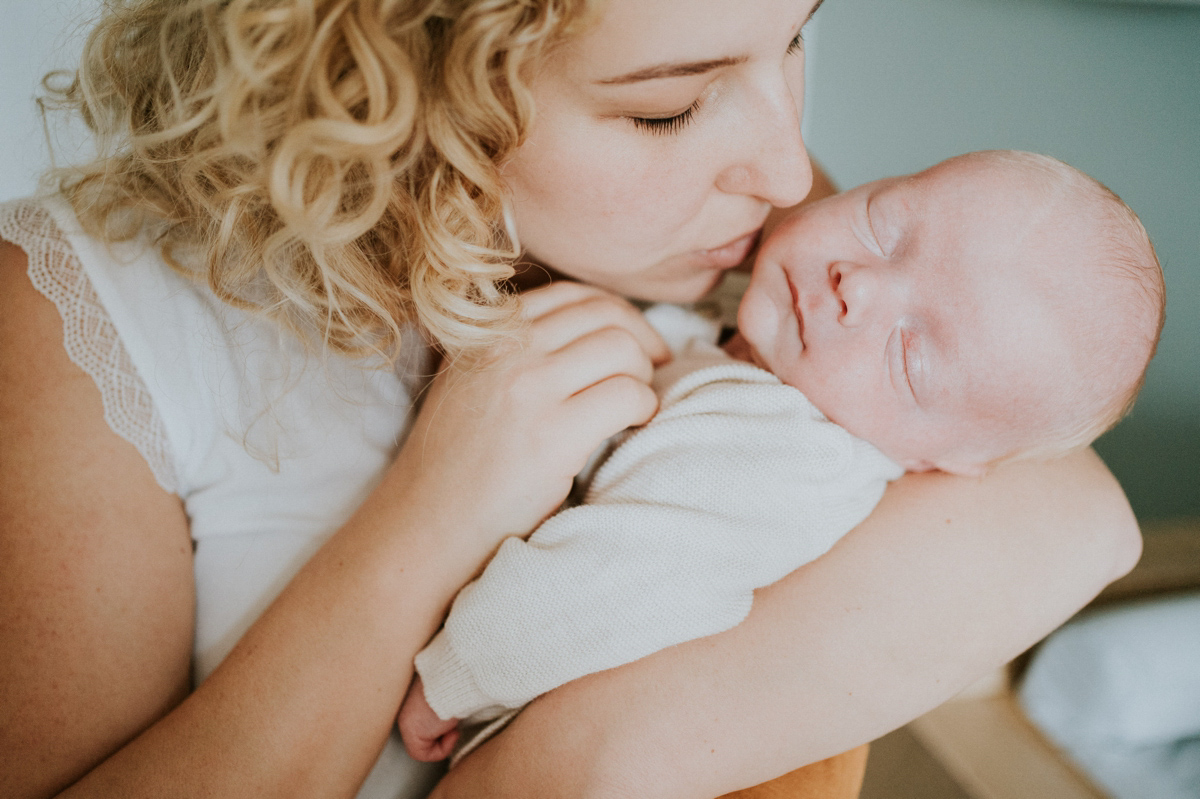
x,y
629,37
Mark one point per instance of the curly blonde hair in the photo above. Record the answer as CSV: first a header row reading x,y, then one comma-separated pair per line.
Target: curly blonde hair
x,y
333,164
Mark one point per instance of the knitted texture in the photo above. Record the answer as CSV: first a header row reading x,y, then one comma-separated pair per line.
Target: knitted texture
x,y
735,483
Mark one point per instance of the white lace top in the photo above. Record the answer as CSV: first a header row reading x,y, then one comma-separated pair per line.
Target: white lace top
x,y
269,448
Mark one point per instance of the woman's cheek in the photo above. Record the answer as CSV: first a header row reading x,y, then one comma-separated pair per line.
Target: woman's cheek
x,y
588,187
642,185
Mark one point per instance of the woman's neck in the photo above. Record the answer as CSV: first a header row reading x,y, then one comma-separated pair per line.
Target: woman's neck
x,y
530,274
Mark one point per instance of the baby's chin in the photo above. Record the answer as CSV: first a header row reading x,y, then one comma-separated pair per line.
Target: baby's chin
x,y
759,323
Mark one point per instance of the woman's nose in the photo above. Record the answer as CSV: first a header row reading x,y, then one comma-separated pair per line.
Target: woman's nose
x,y
857,289
773,163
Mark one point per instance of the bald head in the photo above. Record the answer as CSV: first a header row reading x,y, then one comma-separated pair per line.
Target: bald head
x,y
1099,277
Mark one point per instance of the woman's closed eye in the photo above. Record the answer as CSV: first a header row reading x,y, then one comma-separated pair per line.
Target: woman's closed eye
x,y
666,125
674,123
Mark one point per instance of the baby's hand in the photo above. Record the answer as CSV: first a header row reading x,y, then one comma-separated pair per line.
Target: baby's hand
x,y
426,737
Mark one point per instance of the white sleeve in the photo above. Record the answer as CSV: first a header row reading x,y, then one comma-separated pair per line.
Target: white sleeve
x,y
735,483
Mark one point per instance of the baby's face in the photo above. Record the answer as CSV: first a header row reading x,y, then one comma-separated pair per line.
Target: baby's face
x,y
916,312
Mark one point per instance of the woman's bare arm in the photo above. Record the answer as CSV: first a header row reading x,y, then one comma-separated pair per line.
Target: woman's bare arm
x,y
97,603
96,588
96,597
948,579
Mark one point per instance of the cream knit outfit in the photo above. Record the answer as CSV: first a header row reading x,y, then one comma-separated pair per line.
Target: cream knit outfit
x,y
735,483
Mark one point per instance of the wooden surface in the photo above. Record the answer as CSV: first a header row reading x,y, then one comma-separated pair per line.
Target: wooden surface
x,y
900,767
836,778
1170,562
984,741
993,752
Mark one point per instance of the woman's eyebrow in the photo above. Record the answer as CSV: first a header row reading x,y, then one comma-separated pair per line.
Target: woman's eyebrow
x,y
683,69
675,70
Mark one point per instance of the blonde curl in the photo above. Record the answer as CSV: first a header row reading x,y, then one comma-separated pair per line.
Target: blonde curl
x,y
333,164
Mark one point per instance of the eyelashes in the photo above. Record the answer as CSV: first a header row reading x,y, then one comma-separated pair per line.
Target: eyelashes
x,y
797,44
666,126
663,126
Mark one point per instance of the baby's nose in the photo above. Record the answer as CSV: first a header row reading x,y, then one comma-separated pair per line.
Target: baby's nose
x,y
856,288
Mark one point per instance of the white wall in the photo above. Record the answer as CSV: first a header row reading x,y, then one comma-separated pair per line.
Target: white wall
x,y
36,36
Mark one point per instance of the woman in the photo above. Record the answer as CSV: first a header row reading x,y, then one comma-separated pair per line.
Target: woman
x,y
345,170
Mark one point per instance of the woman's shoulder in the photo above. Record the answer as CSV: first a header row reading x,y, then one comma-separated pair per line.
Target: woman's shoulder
x,y
183,376
44,273
71,266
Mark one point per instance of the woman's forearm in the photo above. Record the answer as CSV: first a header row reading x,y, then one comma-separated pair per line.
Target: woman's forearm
x,y
948,579
304,702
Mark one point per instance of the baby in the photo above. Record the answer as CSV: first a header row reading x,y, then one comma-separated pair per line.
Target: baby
x,y
999,305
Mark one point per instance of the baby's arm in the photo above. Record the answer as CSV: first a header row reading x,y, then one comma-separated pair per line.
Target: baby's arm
x,y
734,484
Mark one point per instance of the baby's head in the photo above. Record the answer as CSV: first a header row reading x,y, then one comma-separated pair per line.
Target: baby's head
x,y
997,305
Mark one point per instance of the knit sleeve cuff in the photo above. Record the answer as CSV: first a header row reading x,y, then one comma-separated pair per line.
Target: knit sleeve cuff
x,y
450,687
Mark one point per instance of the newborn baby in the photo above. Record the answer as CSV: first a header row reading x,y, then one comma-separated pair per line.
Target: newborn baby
x,y
998,305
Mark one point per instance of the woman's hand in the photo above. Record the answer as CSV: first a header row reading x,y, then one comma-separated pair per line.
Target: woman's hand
x,y
503,432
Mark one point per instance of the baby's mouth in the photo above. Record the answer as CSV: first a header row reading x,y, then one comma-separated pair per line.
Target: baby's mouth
x,y
796,310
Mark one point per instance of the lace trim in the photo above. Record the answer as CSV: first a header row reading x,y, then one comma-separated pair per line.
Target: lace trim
x,y
89,336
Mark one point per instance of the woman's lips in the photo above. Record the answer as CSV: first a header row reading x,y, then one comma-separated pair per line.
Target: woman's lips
x,y
730,255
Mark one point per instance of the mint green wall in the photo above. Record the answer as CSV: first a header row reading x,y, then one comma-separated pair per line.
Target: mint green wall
x,y
1112,88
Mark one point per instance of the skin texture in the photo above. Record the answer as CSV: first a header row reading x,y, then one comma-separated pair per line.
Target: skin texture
x,y
922,313
95,579
95,621
427,737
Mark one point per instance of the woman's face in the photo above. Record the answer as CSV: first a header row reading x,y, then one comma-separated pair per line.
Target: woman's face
x,y
663,135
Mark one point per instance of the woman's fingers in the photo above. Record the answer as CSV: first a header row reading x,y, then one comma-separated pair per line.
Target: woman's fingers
x,y
541,301
518,420
596,356
573,310
608,407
